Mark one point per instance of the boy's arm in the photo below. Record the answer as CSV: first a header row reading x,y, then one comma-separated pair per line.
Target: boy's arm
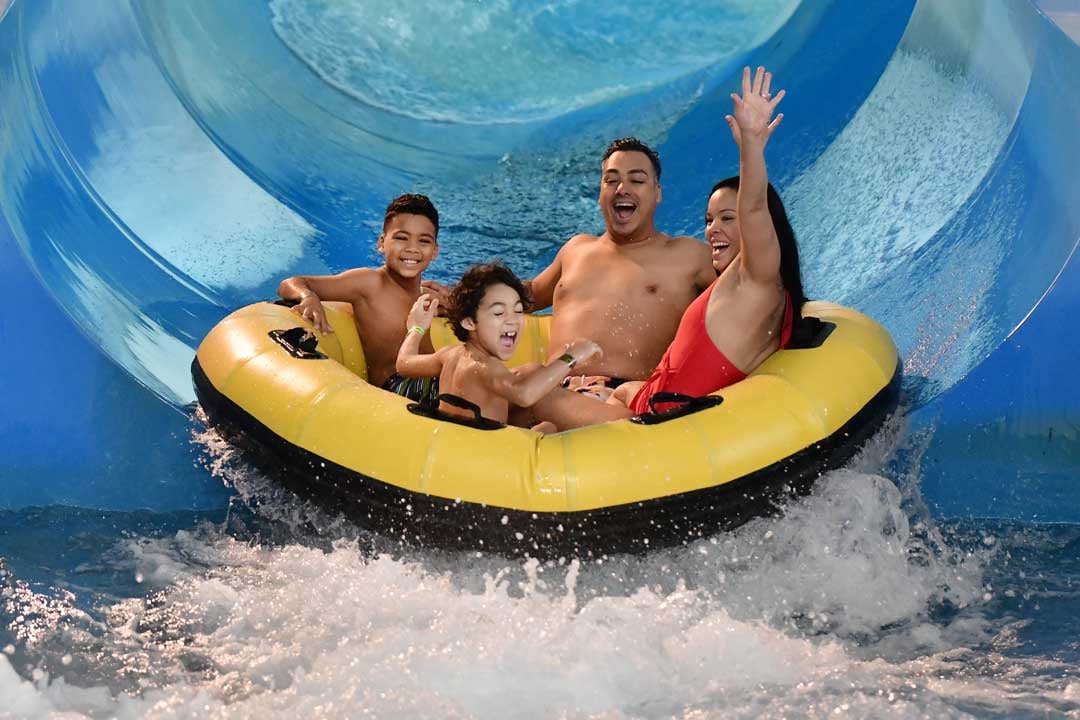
x,y
410,363
311,290
525,389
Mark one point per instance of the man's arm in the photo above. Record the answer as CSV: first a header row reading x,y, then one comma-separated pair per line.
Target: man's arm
x,y
526,389
311,290
542,287
705,273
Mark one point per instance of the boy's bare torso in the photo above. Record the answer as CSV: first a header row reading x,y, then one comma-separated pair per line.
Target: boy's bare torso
x,y
380,309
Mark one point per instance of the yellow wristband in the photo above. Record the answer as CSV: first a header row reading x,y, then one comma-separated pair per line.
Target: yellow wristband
x,y
417,329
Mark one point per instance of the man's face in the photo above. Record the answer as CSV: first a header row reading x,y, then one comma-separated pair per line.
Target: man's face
x,y
409,244
629,193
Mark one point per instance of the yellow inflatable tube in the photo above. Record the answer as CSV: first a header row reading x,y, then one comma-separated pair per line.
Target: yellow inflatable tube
x,y
317,424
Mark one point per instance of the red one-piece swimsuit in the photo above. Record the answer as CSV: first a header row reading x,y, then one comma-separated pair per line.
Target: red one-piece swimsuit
x,y
693,365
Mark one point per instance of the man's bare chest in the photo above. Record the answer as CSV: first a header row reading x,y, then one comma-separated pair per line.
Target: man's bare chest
x,y
600,276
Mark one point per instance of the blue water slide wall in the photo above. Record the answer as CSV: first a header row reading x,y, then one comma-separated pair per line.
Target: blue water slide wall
x,y
162,163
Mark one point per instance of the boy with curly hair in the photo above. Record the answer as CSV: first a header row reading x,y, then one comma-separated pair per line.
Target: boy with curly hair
x,y
487,311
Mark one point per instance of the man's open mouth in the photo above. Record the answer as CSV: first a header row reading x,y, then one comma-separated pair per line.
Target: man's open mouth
x,y
624,209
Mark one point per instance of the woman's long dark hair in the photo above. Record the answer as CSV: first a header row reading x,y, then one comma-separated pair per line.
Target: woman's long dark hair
x,y
790,274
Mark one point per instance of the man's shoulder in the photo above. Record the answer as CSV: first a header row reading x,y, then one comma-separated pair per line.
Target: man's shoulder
x,y
685,241
691,247
582,242
577,247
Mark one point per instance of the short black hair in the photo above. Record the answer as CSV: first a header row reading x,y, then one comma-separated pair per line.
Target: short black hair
x,y
632,144
411,204
465,297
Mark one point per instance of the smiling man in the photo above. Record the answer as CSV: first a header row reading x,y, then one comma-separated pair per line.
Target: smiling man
x,y
627,288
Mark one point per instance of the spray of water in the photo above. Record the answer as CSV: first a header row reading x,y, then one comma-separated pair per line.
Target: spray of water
x,y
852,599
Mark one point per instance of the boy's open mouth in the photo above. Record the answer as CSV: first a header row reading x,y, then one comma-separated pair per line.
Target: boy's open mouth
x,y
410,261
624,209
508,339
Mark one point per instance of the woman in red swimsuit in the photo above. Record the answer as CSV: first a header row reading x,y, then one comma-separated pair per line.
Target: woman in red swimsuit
x,y
748,312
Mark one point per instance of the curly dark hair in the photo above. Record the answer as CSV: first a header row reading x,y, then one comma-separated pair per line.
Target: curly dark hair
x,y
632,144
465,297
410,204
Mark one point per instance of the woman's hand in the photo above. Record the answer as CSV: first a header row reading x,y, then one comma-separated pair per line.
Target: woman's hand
x,y
753,116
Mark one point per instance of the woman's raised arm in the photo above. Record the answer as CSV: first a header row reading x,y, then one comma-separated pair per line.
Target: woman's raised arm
x,y
751,125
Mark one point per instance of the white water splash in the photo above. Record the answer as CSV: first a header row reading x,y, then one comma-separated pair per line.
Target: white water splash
x,y
827,608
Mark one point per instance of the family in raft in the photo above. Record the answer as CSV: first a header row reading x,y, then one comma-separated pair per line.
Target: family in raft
x,y
661,314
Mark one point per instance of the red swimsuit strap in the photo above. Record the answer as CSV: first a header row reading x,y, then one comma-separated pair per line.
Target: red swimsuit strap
x,y
789,321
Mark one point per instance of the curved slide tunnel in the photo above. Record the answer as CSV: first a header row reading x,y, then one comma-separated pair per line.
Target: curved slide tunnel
x,y
162,163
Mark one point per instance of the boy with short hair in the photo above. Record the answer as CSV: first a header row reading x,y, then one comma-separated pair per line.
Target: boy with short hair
x,y
380,297
487,312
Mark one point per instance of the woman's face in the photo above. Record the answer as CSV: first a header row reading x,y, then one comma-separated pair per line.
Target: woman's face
x,y
721,228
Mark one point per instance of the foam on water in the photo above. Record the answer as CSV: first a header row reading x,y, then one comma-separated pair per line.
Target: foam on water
x,y
513,60
852,603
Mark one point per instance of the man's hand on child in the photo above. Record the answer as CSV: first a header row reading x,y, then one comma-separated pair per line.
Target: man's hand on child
x,y
310,308
423,312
